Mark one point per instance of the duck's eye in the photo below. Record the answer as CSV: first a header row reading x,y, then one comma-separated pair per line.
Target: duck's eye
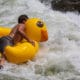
x,y
40,24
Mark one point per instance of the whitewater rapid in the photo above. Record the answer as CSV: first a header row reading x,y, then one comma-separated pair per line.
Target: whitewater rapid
x,y
59,57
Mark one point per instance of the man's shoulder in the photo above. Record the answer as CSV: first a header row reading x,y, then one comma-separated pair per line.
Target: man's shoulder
x,y
21,24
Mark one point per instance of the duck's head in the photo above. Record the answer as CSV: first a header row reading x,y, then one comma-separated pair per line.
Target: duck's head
x,y
36,29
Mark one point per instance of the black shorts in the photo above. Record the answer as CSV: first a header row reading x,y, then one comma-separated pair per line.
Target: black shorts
x,y
5,41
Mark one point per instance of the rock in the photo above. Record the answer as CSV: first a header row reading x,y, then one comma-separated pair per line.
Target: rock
x,y
66,5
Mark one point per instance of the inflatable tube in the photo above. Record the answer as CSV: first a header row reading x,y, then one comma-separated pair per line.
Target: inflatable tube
x,y
4,31
24,51
20,52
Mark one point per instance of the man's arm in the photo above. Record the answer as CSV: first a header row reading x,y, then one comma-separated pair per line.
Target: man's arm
x,y
21,29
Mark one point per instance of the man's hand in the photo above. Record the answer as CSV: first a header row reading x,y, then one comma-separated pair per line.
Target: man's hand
x,y
32,42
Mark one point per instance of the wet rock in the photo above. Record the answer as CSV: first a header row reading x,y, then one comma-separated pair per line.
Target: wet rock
x,y
66,5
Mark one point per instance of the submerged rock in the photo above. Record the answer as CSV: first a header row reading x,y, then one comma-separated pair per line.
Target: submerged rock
x,y
66,5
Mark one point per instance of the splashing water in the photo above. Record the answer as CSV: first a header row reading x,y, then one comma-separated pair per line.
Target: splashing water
x,y
59,57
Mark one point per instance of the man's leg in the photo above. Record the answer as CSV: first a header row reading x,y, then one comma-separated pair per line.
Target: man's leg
x,y
2,61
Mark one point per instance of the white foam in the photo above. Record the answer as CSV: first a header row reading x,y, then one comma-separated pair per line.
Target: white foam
x,y
59,57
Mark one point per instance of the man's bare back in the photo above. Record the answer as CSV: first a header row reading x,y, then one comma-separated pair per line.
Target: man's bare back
x,y
15,33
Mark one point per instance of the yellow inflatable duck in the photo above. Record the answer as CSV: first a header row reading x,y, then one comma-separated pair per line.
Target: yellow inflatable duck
x,y
24,51
36,30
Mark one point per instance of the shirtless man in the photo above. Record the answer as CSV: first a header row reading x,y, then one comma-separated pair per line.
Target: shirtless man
x,y
16,35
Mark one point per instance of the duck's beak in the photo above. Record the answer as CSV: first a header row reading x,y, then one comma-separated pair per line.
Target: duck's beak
x,y
44,35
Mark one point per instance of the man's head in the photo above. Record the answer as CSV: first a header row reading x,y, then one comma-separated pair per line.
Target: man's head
x,y
22,18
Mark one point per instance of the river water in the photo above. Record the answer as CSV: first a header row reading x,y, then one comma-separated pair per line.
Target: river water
x,y
59,57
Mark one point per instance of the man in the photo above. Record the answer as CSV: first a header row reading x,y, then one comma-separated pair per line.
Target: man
x,y
16,35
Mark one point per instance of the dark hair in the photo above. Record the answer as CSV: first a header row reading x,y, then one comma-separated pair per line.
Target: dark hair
x,y
22,18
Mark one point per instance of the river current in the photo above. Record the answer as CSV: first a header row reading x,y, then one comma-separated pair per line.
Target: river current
x,y
59,57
